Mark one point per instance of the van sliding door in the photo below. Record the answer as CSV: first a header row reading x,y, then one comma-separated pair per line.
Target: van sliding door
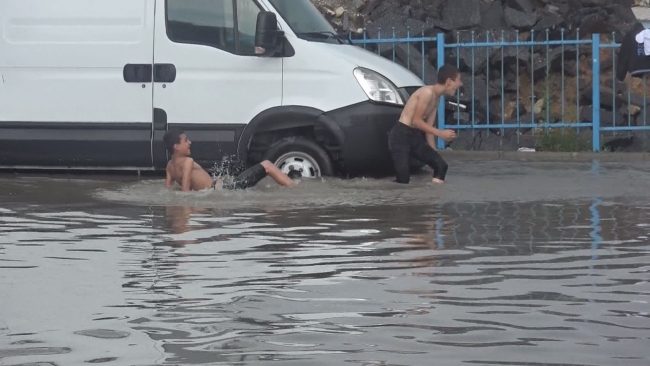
x,y
76,83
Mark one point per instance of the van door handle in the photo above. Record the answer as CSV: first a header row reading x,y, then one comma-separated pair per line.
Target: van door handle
x,y
164,73
137,73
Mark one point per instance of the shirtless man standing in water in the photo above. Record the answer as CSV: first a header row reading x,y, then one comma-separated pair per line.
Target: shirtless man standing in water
x,y
413,135
183,170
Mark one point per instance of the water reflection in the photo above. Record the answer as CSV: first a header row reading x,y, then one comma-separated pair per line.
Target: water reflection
x,y
501,283
383,287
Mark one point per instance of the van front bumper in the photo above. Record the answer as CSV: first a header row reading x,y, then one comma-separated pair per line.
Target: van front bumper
x,y
365,127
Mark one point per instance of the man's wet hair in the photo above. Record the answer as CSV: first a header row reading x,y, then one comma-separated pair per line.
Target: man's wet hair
x,y
447,72
171,138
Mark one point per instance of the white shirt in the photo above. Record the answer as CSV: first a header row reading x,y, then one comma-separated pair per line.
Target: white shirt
x,y
644,37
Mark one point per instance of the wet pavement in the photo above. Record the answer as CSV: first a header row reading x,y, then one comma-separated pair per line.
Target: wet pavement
x,y
509,263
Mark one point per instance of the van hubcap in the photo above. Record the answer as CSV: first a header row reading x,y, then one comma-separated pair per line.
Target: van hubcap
x,y
298,165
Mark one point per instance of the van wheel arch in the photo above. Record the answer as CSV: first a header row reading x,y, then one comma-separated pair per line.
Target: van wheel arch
x,y
279,125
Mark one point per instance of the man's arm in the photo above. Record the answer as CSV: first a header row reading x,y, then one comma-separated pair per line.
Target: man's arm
x,y
431,121
168,179
624,56
188,165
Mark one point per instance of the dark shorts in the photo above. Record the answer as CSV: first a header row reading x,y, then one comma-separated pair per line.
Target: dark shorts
x,y
248,178
405,142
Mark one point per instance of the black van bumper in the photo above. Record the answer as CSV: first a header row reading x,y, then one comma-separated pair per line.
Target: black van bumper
x,y
365,127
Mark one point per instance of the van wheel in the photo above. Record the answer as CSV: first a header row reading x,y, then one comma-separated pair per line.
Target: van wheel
x,y
299,157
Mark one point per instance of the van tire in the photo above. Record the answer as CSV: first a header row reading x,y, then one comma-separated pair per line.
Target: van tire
x,y
305,153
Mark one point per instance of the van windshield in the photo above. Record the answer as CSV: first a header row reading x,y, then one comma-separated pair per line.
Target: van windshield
x,y
306,21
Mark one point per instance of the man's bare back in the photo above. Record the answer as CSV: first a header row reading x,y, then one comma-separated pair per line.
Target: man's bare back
x,y
188,174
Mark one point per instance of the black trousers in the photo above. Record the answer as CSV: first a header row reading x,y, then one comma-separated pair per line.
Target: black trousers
x,y
248,178
405,141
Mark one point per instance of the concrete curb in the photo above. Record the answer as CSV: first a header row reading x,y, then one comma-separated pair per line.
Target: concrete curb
x,y
545,156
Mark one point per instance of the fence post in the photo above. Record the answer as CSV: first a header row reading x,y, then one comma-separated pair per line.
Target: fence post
x,y
440,40
595,86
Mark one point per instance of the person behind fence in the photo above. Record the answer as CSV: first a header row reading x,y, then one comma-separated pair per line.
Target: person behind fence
x,y
183,170
414,134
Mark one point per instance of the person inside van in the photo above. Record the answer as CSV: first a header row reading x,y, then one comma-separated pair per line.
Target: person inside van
x,y
183,170
414,134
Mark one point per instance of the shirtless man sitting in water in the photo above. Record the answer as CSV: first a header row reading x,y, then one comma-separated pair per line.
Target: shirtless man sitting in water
x,y
413,135
183,170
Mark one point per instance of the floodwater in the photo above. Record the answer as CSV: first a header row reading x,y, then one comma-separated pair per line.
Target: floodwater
x,y
509,263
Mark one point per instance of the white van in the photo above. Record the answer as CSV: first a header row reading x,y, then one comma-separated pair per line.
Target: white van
x,y
94,84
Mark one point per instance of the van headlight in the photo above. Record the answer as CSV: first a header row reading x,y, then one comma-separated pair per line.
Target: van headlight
x,y
377,87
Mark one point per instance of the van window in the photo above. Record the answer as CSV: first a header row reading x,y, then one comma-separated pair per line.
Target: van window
x,y
305,20
247,12
212,23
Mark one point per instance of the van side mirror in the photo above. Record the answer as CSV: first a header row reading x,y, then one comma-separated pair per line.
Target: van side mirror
x,y
267,35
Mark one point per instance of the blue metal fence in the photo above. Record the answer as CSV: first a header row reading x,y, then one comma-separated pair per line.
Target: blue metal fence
x,y
475,103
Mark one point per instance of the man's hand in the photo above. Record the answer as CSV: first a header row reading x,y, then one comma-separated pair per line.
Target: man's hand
x,y
448,135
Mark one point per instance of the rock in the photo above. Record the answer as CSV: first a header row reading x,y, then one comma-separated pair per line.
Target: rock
x,y
476,90
595,3
379,11
511,84
552,9
634,99
473,60
411,58
519,20
504,111
555,60
524,6
607,117
607,99
339,12
539,105
371,6
509,56
460,14
462,117
595,23
548,20
492,16
384,27
622,12
523,118
424,28
433,8
618,143
633,110
358,5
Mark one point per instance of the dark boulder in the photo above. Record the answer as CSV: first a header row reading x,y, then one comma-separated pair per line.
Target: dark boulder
x,y
525,6
493,16
460,14
519,19
548,20
607,117
595,3
476,90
